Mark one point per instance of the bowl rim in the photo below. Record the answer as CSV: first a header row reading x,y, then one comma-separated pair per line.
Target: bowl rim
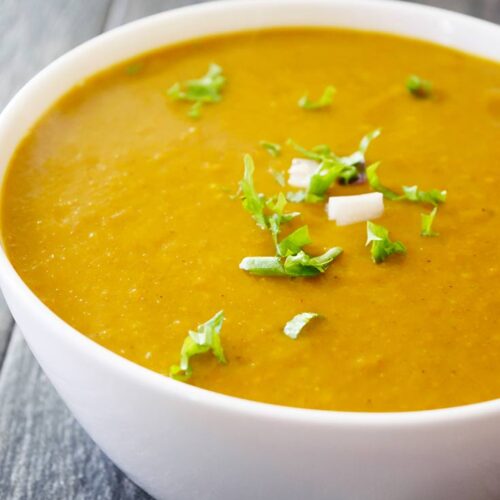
x,y
11,280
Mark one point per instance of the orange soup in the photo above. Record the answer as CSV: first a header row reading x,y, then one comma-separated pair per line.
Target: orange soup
x,y
125,211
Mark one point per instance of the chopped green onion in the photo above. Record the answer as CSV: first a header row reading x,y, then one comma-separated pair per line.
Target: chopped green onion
x,y
418,86
271,147
382,246
427,221
206,338
207,89
297,323
325,99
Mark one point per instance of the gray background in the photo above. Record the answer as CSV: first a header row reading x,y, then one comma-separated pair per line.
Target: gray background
x,y
44,453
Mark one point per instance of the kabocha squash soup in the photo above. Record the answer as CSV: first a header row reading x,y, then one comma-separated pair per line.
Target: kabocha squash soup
x,y
306,217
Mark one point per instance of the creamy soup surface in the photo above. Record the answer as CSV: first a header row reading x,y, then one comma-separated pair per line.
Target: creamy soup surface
x,y
117,212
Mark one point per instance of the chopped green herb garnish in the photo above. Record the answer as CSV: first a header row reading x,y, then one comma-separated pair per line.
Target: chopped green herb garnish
x,y
418,86
296,266
278,175
325,99
267,213
278,217
263,266
253,202
195,109
134,68
294,242
317,153
366,140
206,338
271,147
297,323
303,264
382,246
326,174
434,196
207,89
410,193
427,220
332,168
376,185
296,196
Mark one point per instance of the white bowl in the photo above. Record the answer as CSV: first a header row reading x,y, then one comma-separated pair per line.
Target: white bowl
x,y
182,442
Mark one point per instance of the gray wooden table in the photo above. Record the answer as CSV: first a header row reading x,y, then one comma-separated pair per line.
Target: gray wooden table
x,y
44,453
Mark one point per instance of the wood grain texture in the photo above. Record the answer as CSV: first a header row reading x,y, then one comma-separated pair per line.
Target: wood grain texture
x,y
125,11
44,453
484,9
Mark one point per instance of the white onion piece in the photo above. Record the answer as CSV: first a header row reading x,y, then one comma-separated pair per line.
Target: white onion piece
x,y
301,171
355,208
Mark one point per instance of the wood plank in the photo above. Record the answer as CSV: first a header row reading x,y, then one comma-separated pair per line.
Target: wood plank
x,y
34,33
124,11
485,9
44,453
6,325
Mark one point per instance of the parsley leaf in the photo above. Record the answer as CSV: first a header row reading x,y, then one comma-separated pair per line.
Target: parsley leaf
x,y
325,100
418,86
382,246
345,169
263,266
427,220
278,217
278,175
300,265
259,206
376,185
296,196
410,193
330,169
271,147
206,338
358,157
253,202
326,174
297,323
270,214
294,242
207,89
434,196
